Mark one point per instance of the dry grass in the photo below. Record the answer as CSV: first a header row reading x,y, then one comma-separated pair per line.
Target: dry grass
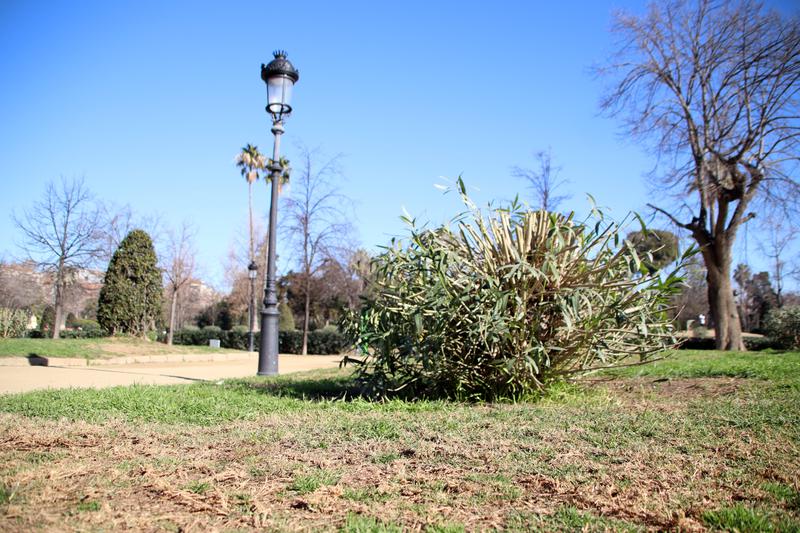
x,y
621,454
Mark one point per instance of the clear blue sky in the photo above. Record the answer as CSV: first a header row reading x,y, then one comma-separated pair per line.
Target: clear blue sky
x,y
150,102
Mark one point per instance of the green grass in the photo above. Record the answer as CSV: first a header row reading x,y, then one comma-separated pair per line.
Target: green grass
x,y
357,523
790,496
568,519
209,403
743,519
6,494
311,481
708,363
95,348
79,348
88,505
667,446
198,487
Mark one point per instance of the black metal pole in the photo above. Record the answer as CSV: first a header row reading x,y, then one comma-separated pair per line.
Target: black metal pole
x,y
268,347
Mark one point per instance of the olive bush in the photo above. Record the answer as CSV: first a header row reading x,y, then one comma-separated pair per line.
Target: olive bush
x,y
498,304
783,327
13,322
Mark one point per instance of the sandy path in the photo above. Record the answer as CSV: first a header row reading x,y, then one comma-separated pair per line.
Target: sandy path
x,y
26,378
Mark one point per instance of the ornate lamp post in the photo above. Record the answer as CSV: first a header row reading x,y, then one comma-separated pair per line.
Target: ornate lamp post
x,y
252,273
280,76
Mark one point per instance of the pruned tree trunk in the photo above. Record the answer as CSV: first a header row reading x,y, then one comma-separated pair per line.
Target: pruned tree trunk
x,y
723,308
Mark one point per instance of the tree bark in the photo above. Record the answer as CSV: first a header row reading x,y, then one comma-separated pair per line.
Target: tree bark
x,y
307,314
724,311
58,308
58,312
172,315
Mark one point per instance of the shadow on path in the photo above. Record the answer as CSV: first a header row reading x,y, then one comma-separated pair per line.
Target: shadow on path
x,y
95,369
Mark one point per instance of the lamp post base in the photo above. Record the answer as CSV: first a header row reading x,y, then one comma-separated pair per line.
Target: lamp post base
x,y
268,349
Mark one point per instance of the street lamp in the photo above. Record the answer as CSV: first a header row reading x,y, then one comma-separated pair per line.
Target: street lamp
x,y
252,273
280,76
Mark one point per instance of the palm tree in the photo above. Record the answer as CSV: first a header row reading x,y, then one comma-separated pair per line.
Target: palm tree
x,y
251,162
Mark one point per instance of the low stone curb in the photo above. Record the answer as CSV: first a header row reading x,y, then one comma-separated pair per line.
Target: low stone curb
x,y
126,360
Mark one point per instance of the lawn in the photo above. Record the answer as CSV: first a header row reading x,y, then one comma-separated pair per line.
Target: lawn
x,y
95,348
700,441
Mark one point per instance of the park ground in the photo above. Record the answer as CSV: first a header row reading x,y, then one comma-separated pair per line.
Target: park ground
x,y
31,364
698,441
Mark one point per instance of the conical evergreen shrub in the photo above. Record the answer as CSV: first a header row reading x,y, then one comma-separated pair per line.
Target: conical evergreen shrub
x,y
130,299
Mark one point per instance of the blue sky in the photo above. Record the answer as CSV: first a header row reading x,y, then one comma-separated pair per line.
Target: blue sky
x,y
150,102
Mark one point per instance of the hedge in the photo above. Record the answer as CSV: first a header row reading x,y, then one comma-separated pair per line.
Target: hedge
x,y
754,344
88,333
319,342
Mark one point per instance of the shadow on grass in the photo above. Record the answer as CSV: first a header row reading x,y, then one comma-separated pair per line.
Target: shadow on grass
x,y
318,388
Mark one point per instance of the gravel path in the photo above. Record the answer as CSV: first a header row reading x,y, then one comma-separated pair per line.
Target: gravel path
x,y
25,378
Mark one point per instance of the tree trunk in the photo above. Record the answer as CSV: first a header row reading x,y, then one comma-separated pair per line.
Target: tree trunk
x,y
307,314
172,315
57,318
728,329
58,308
252,307
252,255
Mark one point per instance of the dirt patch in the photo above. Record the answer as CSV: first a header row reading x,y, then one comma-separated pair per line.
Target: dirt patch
x,y
673,389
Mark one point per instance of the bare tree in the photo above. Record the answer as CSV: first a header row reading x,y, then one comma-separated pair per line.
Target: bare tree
x,y
543,181
20,286
316,219
780,237
713,85
179,266
117,221
60,233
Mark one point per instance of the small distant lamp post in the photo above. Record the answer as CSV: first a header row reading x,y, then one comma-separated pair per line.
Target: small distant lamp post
x,y
252,273
280,77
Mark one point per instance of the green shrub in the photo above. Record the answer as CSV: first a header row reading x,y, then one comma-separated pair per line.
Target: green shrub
x,y
13,323
48,317
78,334
70,321
130,299
783,327
286,319
237,339
319,342
87,325
499,305
213,332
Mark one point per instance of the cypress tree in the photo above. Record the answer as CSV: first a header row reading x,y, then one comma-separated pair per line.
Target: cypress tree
x,y
130,299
